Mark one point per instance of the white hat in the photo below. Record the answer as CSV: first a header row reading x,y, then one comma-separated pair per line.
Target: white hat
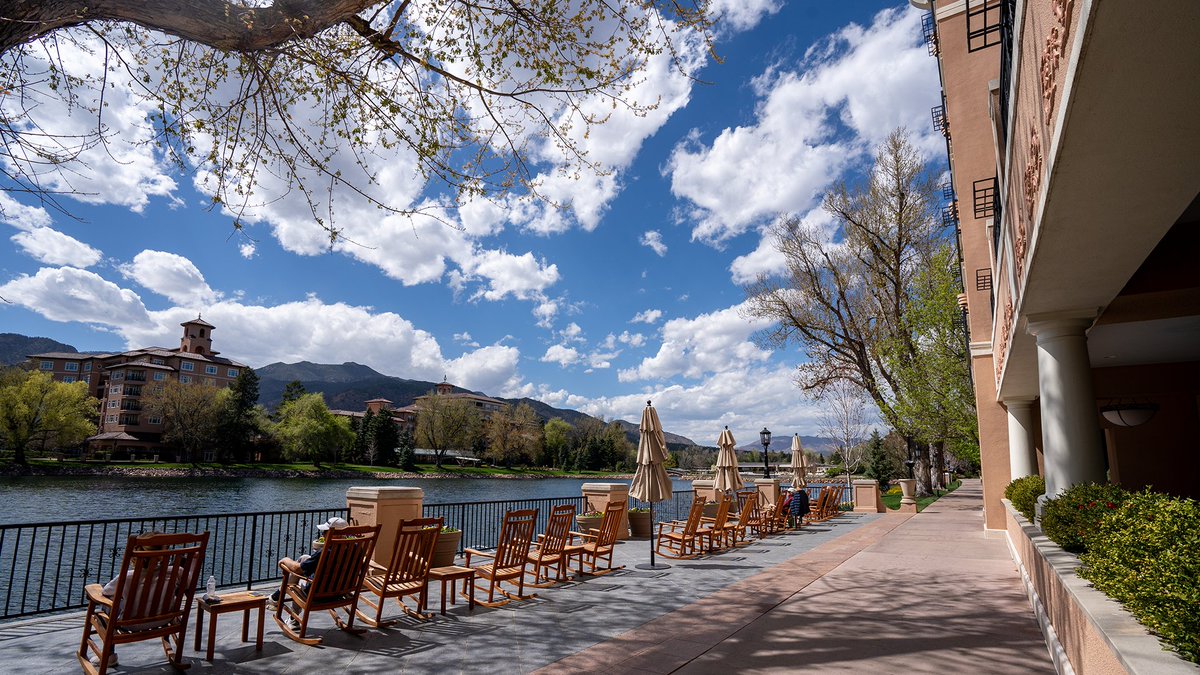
x,y
333,523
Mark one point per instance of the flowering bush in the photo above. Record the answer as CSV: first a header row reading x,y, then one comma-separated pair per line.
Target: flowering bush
x,y
1023,493
1071,518
640,509
1146,555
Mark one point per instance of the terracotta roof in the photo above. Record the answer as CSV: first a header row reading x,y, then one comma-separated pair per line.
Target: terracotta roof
x,y
197,322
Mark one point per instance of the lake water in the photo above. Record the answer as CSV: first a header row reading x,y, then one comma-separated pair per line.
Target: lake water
x,y
39,499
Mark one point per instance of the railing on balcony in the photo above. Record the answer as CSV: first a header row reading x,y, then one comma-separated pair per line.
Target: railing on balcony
x,y
948,191
1007,40
940,123
929,33
480,521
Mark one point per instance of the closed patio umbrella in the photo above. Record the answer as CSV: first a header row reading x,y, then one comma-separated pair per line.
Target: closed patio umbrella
x,y
727,477
799,467
651,482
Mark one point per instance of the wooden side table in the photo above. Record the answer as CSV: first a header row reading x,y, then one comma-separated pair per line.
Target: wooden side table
x,y
243,601
452,574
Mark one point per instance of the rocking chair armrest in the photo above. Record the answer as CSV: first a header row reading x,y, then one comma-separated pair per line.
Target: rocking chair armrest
x,y
468,552
95,593
287,574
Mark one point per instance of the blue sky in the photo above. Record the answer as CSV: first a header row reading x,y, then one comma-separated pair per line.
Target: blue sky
x,y
634,294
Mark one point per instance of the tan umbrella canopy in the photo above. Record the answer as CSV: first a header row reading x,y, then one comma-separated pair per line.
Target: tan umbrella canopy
x,y
727,477
651,482
799,467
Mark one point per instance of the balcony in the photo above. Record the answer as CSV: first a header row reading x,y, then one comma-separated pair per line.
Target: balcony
x,y
929,33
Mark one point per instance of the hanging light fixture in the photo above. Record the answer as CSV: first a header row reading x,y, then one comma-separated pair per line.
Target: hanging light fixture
x,y
1128,414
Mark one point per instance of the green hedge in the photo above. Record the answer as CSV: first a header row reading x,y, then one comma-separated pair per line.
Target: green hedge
x,y
1071,517
1146,555
1023,493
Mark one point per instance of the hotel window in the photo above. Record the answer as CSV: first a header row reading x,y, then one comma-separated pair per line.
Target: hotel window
x,y
115,390
210,370
71,366
159,377
185,379
68,379
187,365
112,404
87,378
47,365
118,375
87,367
232,372
111,419
158,362
154,420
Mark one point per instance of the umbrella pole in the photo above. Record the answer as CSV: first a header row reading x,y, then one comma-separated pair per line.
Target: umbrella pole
x,y
653,565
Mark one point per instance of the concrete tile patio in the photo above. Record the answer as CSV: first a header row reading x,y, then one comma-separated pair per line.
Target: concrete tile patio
x,y
892,593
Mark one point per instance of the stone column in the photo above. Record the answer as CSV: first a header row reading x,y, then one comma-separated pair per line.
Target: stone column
x,y
598,495
704,488
867,498
385,506
1071,440
768,491
1022,458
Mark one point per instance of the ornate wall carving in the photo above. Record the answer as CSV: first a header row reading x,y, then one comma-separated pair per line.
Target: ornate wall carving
x,y
1052,54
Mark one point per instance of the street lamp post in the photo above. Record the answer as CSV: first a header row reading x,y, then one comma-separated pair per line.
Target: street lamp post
x,y
764,437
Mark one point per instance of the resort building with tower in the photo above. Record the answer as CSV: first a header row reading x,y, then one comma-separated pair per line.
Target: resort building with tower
x,y
121,380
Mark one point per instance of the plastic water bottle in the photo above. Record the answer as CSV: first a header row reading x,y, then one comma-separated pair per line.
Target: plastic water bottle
x,y
212,586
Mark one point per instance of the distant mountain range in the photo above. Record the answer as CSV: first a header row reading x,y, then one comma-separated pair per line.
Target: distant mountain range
x,y
350,385
15,348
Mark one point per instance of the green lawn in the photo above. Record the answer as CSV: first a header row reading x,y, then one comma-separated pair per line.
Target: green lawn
x,y
893,501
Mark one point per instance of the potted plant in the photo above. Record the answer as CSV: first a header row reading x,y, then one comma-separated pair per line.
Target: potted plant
x,y
639,522
589,520
446,549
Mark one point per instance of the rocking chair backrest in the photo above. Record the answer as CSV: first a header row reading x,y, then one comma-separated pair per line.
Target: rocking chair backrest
x,y
343,562
158,579
610,523
749,509
694,516
558,530
723,511
413,550
516,534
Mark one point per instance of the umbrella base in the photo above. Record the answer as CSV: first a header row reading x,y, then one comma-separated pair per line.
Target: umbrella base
x,y
654,566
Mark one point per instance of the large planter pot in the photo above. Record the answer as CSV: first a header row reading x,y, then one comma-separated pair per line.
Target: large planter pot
x,y
908,492
639,524
446,549
588,523
710,510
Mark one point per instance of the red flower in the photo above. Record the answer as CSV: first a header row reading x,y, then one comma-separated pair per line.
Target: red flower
x,y
1112,505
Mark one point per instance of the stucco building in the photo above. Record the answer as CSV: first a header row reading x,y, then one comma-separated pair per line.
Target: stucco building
x,y
121,380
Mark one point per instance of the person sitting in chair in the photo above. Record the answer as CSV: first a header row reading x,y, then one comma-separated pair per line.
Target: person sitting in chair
x,y
799,506
306,564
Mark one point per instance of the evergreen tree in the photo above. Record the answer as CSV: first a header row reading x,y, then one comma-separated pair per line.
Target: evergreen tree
x,y
384,439
292,391
364,440
406,457
236,425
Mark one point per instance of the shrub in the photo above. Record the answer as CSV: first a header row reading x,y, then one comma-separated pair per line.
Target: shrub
x,y
1023,493
1146,555
1073,516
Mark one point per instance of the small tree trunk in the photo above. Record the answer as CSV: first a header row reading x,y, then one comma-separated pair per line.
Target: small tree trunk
x,y
939,462
924,482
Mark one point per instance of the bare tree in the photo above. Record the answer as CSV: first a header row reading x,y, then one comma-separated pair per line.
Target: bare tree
x,y
307,94
847,292
844,419
446,423
189,412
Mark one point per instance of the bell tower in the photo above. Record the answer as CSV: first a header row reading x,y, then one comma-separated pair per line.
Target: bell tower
x,y
197,337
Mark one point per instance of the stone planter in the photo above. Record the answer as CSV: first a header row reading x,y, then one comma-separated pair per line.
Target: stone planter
x,y
908,494
710,510
639,524
446,550
588,523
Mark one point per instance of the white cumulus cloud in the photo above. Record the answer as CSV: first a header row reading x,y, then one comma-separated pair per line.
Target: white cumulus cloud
x,y
170,275
648,316
561,354
653,239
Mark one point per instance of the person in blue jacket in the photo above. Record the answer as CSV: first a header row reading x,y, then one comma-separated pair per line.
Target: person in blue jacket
x,y
799,505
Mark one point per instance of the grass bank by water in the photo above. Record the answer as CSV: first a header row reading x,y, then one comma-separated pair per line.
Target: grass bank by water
x,y
41,467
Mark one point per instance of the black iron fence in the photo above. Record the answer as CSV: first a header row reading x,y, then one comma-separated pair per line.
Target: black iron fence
x,y
44,566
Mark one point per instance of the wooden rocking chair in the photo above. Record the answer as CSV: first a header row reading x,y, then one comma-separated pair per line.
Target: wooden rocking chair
x,y
599,543
335,584
746,518
152,599
820,512
717,528
551,547
509,560
406,574
677,539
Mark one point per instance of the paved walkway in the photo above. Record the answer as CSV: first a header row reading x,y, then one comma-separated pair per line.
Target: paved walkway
x,y
893,593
